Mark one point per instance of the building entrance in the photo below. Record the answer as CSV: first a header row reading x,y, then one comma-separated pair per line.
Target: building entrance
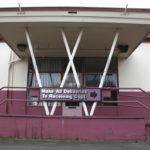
x,y
72,108
89,71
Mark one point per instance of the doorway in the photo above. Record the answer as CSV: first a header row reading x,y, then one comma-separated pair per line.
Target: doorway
x,y
72,108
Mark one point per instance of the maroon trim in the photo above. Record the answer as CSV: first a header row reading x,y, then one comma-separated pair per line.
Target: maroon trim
x,y
76,9
1,40
70,117
147,40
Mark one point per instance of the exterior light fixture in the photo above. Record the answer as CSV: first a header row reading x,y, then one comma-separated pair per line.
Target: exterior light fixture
x,y
22,47
123,48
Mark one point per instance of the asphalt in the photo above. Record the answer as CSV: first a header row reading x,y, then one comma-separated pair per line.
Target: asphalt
x,y
30,144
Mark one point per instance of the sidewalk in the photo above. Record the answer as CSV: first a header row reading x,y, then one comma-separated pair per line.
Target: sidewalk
x,y
19,144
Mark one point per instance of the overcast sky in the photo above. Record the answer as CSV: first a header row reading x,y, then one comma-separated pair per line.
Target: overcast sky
x,y
84,3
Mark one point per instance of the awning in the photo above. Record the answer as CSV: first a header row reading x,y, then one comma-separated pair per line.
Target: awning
x,y
100,25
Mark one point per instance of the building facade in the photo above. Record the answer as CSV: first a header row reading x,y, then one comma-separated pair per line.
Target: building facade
x,y
75,50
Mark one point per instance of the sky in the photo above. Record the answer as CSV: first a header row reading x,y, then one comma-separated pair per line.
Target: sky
x,y
78,3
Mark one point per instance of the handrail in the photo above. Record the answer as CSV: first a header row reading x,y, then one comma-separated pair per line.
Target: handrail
x,y
3,101
17,87
118,88
128,102
26,100
105,88
129,106
134,96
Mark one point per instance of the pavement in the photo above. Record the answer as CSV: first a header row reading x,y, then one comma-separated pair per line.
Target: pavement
x,y
30,144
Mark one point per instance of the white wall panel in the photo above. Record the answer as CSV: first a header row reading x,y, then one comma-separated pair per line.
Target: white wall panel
x,y
135,70
17,73
20,73
4,63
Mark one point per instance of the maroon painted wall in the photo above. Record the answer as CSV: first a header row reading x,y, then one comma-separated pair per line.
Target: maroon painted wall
x,y
73,128
123,109
2,105
126,109
127,121
13,107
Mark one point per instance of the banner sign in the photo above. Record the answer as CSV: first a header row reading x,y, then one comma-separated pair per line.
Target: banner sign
x,y
67,94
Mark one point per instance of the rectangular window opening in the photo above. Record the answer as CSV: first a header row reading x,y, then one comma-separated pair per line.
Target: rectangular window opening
x,y
89,71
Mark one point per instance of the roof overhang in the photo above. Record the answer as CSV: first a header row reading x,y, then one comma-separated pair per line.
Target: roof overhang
x,y
99,30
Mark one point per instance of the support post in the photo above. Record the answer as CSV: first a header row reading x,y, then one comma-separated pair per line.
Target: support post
x,y
71,64
35,68
106,69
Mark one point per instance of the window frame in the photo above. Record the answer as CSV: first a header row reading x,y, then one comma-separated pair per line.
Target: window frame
x,y
82,73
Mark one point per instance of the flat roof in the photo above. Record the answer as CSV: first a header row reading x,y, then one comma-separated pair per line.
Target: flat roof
x,y
99,24
139,10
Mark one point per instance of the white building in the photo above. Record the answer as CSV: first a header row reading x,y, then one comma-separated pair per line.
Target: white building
x,y
88,48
